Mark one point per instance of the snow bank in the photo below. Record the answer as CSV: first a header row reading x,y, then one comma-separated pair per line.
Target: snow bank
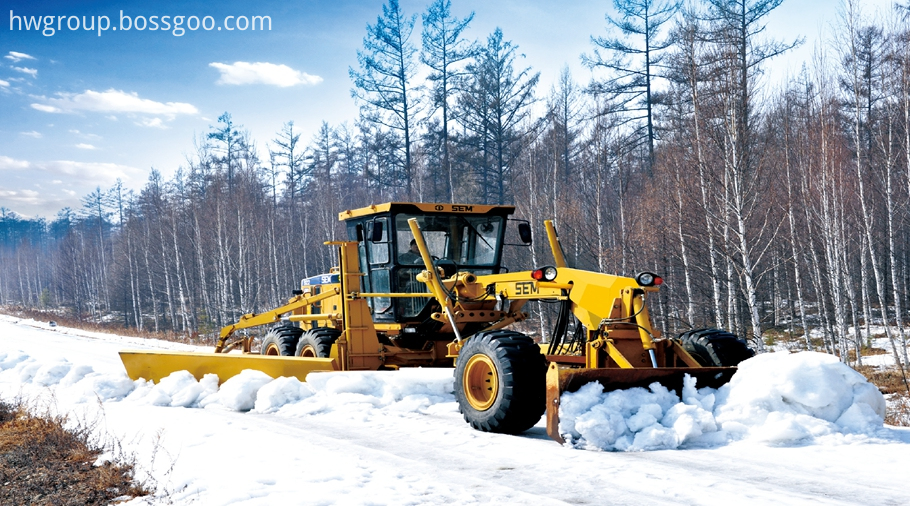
x,y
774,398
402,391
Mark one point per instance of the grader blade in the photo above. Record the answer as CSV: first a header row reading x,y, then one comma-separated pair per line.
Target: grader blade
x,y
561,380
155,365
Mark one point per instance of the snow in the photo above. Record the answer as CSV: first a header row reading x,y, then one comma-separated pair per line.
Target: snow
x,y
774,398
788,429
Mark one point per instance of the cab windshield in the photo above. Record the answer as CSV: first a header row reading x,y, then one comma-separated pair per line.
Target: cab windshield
x,y
466,240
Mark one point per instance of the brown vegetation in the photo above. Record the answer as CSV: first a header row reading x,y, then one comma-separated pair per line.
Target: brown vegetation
x,y
891,383
41,463
898,413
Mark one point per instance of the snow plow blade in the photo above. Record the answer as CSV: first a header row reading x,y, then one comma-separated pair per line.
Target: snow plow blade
x,y
155,365
561,380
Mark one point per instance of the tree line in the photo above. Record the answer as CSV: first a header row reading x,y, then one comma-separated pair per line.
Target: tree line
x,y
766,209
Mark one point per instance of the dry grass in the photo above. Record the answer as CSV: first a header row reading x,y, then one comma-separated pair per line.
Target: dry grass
x,y
43,463
898,412
891,383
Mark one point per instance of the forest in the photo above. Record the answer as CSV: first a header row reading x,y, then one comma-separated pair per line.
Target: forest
x,y
768,211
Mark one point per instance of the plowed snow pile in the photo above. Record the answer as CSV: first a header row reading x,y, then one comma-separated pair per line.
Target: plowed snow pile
x,y
775,398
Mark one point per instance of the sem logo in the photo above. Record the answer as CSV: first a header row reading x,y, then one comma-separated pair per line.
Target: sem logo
x,y
326,279
526,288
440,208
463,209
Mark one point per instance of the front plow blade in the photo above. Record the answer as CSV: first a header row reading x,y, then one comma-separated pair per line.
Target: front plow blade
x,y
560,381
155,365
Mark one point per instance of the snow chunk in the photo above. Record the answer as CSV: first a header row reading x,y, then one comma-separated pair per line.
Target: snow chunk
x,y
179,389
52,373
105,387
774,398
239,393
76,374
358,393
816,385
9,359
280,392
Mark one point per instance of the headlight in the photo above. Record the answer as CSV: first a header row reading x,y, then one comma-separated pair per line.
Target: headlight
x,y
648,279
547,273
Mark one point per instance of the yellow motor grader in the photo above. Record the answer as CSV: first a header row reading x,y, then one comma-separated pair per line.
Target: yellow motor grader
x,y
422,284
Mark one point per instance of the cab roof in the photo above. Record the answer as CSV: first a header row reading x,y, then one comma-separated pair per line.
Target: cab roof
x,y
426,207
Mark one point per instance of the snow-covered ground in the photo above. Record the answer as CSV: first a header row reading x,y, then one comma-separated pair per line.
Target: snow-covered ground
x,y
789,429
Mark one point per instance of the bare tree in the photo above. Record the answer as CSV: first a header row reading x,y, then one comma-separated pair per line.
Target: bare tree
x,y
443,51
384,83
633,59
493,105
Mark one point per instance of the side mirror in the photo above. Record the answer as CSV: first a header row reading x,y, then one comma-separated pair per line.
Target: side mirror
x,y
376,231
524,232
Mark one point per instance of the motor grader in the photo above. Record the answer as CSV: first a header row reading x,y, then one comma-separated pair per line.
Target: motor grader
x,y
424,285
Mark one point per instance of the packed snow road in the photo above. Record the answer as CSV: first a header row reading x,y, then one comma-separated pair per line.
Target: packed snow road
x,y
397,437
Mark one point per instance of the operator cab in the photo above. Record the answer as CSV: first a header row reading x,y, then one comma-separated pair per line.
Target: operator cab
x,y
459,237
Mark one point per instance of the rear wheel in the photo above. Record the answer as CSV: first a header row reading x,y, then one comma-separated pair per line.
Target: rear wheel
x,y
500,382
317,342
281,341
715,347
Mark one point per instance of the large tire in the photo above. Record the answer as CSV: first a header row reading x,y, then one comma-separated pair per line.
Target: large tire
x,y
281,341
500,382
715,347
317,342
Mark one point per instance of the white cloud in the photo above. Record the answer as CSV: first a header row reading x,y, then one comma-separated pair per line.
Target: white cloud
x,y
26,70
242,72
7,163
4,83
21,182
21,196
112,101
36,135
84,135
152,123
83,145
17,56
85,173
96,172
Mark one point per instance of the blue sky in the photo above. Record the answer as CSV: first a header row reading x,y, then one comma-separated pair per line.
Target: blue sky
x,y
79,109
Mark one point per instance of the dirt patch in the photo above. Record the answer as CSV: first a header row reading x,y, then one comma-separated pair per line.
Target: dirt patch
x,y
43,463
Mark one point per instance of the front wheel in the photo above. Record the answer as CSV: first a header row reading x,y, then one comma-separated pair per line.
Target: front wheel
x,y
500,382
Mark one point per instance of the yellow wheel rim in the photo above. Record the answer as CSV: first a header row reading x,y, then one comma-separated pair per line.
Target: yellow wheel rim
x,y
480,382
308,351
272,349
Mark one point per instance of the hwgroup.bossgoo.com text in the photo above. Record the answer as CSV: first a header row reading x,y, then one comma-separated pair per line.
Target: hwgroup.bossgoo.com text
x,y
175,25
